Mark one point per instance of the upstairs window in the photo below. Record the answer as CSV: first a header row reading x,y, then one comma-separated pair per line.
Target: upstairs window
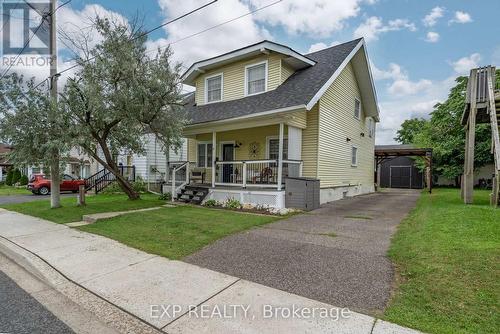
x,y
256,78
357,109
371,127
214,88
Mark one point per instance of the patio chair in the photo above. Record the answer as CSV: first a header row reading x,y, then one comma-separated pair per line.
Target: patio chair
x,y
197,174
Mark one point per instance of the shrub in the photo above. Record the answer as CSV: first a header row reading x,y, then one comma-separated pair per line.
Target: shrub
x,y
23,180
8,179
139,186
211,203
232,203
165,197
16,176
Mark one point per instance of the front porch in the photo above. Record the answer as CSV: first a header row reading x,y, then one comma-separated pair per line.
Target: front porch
x,y
247,164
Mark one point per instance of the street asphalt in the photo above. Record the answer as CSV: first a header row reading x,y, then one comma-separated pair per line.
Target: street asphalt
x,y
21,313
336,254
13,199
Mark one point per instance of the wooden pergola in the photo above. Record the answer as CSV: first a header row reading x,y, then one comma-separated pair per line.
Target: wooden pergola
x,y
388,152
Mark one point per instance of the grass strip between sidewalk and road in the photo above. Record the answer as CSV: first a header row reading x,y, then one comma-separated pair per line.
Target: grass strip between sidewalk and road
x,y
447,258
70,212
175,232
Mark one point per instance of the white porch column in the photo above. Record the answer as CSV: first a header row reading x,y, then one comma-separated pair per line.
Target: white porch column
x,y
214,155
294,143
280,155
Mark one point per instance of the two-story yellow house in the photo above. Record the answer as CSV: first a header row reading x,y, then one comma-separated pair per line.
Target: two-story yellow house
x,y
265,112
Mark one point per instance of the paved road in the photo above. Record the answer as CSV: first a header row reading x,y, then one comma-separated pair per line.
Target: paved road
x,y
21,313
28,198
300,256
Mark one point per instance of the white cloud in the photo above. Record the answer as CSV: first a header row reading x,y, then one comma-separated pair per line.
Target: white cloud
x,y
320,46
461,17
225,38
432,37
395,72
465,64
374,26
431,19
318,18
403,87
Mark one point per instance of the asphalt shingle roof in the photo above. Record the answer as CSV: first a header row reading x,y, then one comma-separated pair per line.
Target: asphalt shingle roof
x,y
298,89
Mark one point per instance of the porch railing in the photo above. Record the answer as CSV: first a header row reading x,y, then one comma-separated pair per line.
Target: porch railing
x,y
255,173
180,177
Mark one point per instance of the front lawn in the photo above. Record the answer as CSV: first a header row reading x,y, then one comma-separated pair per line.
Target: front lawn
x,y
447,257
10,191
70,212
175,232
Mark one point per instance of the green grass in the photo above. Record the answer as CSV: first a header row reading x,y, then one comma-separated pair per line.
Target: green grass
x,y
10,191
447,257
175,232
70,212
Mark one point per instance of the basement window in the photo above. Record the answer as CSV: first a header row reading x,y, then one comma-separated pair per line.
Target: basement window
x,y
354,156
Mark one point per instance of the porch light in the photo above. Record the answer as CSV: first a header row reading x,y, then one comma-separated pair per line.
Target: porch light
x,y
237,144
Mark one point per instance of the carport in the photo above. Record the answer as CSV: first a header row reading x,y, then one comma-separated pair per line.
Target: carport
x,y
385,153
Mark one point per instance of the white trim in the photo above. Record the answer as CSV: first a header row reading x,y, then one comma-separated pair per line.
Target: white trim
x,y
266,76
221,74
327,85
268,138
360,108
198,66
357,151
264,113
374,91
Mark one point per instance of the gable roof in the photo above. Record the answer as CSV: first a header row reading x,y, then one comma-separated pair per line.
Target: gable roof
x,y
295,59
301,90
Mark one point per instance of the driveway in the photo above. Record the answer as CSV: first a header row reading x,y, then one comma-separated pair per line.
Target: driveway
x,y
300,255
13,199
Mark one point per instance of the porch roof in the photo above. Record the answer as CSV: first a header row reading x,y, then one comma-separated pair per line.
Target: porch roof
x,y
298,91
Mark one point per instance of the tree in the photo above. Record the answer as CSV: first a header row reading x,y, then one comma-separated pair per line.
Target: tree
x,y
120,94
444,133
35,126
409,129
16,176
8,178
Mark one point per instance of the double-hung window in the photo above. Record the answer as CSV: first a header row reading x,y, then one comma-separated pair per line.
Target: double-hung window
x,y
256,79
274,148
354,156
371,127
357,109
214,88
204,155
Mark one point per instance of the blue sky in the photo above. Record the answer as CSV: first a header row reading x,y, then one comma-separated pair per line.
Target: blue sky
x,y
417,48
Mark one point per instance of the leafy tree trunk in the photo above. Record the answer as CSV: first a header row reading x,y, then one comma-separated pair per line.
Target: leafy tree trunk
x,y
55,183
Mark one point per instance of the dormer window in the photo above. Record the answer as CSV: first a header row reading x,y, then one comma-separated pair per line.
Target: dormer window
x,y
213,86
256,78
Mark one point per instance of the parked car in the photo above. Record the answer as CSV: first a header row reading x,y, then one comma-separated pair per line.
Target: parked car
x,y
40,184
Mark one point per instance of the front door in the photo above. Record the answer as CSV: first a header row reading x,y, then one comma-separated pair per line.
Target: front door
x,y
227,169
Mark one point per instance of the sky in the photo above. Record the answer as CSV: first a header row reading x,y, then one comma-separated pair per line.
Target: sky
x,y
416,47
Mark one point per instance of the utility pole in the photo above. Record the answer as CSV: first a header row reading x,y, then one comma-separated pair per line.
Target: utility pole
x,y
55,197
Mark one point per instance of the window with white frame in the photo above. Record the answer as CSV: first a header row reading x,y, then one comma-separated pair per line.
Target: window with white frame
x,y
204,155
274,148
357,109
354,156
371,127
256,79
214,88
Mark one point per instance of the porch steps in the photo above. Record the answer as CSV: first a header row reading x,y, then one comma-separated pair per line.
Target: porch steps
x,y
192,194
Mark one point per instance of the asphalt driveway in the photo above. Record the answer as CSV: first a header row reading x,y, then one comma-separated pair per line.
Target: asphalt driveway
x,y
336,254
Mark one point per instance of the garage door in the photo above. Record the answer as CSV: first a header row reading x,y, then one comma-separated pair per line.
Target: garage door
x,y
400,176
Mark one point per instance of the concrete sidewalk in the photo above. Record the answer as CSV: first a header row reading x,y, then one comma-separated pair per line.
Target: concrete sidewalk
x,y
173,296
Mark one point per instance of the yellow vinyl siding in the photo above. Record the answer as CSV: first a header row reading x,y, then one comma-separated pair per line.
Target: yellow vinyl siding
x,y
310,143
336,124
234,77
286,71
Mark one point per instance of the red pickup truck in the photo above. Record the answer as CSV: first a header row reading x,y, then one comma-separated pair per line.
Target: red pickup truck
x,y
40,185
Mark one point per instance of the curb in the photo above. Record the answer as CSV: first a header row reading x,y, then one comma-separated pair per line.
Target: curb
x,y
108,313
